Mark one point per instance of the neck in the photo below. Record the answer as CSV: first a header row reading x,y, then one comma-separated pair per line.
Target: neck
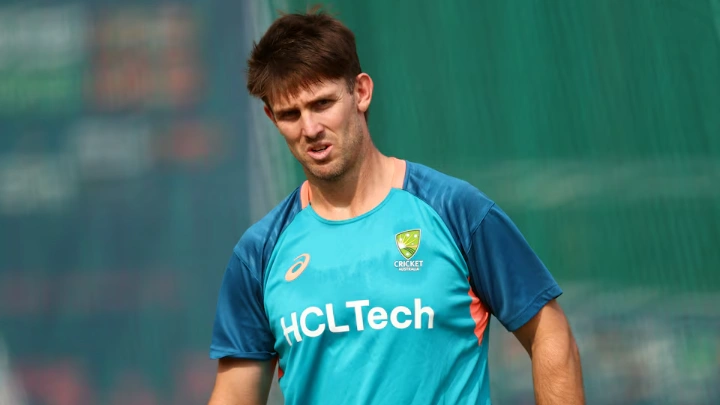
x,y
360,190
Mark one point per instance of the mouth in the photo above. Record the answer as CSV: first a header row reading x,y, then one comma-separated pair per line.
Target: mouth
x,y
319,152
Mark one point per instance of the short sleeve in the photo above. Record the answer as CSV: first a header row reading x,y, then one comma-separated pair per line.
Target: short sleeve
x,y
241,328
506,273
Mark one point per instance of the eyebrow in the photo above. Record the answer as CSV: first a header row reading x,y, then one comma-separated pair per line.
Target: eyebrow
x,y
322,96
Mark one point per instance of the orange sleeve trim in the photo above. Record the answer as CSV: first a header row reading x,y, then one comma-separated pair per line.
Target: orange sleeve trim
x,y
479,314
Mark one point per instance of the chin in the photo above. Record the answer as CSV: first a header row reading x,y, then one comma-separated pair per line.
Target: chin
x,y
327,176
330,172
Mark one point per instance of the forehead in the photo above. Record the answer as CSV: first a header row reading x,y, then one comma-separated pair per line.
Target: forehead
x,y
307,94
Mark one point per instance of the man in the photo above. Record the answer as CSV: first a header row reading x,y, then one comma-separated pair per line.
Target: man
x,y
373,282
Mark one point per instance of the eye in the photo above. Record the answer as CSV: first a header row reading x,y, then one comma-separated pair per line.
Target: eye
x,y
288,115
324,103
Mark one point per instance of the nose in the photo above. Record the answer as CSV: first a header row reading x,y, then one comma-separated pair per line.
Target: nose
x,y
311,127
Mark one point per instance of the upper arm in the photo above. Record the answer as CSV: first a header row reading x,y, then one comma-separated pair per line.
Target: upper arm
x,y
241,328
506,273
242,382
241,337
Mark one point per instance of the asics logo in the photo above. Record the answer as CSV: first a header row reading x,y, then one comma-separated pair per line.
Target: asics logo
x,y
298,267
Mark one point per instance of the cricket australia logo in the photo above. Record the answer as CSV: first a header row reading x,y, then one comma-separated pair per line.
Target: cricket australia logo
x,y
408,243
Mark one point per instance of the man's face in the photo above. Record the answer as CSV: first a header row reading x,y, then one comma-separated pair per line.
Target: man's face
x,y
322,127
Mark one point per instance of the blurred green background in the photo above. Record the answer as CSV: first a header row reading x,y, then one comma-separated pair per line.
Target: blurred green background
x,y
131,161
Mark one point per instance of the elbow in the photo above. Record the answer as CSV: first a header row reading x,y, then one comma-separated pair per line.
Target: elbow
x,y
574,349
560,349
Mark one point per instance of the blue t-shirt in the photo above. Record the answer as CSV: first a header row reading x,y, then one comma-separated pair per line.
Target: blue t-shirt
x,y
390,307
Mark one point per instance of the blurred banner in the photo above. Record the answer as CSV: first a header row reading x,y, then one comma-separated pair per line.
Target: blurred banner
x,y
131,161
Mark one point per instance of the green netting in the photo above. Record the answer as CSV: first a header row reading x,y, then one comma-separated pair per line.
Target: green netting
x,y
596,124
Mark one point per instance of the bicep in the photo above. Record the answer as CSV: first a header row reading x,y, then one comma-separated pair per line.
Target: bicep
x,y
242,382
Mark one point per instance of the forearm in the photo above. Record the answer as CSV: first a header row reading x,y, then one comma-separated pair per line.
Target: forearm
x,y
557,372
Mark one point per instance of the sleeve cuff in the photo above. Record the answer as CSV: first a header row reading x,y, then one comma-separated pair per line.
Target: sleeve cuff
x,y
533,308
219,354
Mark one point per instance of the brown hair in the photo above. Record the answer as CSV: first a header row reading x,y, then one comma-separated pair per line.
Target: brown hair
x,y
300,50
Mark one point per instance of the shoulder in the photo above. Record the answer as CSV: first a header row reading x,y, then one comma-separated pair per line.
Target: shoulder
x,y
258,241
457,201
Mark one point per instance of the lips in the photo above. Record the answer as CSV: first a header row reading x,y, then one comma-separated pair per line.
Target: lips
x,y
319,151
319,148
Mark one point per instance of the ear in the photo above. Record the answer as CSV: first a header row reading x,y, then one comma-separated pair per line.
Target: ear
x,y
363,91
270,114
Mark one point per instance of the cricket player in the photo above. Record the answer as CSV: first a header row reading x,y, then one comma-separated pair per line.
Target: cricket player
x,y
374,281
